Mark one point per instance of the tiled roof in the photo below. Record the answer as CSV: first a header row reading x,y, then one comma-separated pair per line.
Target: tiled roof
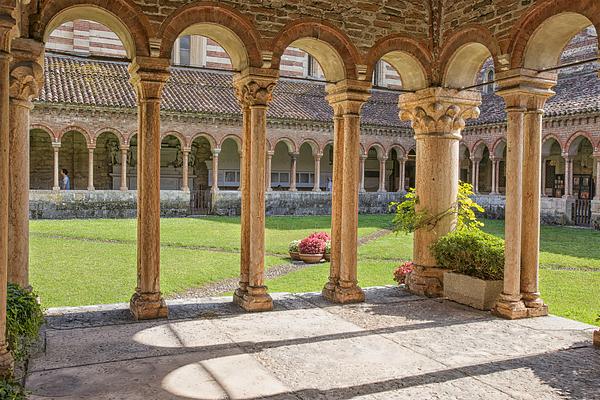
x,y
74,80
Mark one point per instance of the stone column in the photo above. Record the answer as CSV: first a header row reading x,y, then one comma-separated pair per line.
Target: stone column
x,y
346,98
90,185
568,175
597,194
294,157
268,173
317,185
437,116
254,89
402,165
215,170
185,169
523,161
475,174
382,161
543,179
494,161
362,158
56,149
26,77
148,77
124,150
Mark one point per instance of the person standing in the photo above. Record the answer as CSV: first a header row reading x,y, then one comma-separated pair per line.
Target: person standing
x,y
66,180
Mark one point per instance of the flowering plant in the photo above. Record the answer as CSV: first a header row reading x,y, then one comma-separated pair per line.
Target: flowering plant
x,y
328,247
293,246
401,272
323,236
311,245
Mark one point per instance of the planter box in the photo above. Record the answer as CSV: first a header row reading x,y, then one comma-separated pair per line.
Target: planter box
x,y
473,292
311,258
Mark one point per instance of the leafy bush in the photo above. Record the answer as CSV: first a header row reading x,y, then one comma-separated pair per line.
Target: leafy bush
x,y
312,245
293,246
407,219
471,252
327,247
24,317
324,236
11,390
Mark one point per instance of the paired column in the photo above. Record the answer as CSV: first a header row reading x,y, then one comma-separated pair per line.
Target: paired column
x,y
268,173
382,161
56,150
254,89
494,161
317,185
185,167
363,158
402,165
346,98
26,77
294,158
124,150
90,185
437,116
148,77
215,170
475,174
524,93
568,175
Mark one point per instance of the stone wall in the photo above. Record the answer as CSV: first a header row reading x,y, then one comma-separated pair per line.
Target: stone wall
x,y
553,210
596,214
46,204
302,203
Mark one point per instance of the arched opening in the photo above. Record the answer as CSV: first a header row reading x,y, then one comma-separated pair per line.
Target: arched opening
x,y
399,70
482,169
372,168
229,165
171,163
281,166
200,164
499,161
583,168
327,167
411,169
325,60
464,163
553,169
392,171
107,162
41,160
305,173
73,156
464,67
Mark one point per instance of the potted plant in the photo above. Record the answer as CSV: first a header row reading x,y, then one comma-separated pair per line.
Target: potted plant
x,y
311,250
475,263
327,252
324,236
401,273
293,250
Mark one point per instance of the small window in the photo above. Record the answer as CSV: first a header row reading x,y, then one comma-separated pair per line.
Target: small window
x,y
489,77
230,177
184,50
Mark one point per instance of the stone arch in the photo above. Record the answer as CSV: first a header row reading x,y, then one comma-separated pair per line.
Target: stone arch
x,y
331,48
464,53
498,148
409,57
233,137
399,149
316,149
379,148
546,29
124,18
291,145
478,149
122,140
75,128
182,139
46,129
575,140
547,143
225,25
209,138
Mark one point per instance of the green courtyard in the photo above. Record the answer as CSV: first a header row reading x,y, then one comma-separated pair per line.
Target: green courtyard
x,y
80,262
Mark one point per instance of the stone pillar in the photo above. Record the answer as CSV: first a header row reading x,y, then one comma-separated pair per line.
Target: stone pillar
x,y
294,157
475,174
26,77
543,180
317,185
90,185
215,170
362,172
124,150
402,165
524,92
494,161
346,98
254,89
185,170
568,175
148,77
56,149
437,116
597,194
382,161
268,173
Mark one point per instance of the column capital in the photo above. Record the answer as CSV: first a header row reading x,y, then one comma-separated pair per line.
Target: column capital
x,y
26,71
568,157
91,147
475,159
7,23
294,154
124,147
382,159
363,157
439,111
317,156
149,76
216,151
347,96
495,159
254,86
56,145
270,153
525,89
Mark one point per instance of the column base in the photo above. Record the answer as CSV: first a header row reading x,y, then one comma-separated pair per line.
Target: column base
x,y
426,281
316,190
596,339
253,299
344,292
7,362
91,189
123,188
56,188
535,305
510,307
148,306
292,190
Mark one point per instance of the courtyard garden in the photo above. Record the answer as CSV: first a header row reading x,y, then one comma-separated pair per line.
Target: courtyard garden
x,y
80,262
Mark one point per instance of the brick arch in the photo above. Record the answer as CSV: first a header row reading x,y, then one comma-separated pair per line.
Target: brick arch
x,y
496,146
225,25
316,37
573,138
211,140
89,140
182,139
461,146
538,15
235,138
116,132
362,148
464,52
315,147
480,144
380,148
291,145
411,59
402,151
46,129
123,17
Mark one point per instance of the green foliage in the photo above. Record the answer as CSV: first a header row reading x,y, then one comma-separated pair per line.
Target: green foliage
x,y
471,252
24,317
407,219
293,246
328,247
11,390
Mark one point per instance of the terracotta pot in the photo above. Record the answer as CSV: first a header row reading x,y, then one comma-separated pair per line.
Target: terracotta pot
x,y
327,257
294,255
311,258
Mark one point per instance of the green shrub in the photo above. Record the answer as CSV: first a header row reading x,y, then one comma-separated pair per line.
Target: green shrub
x,y
11,390
293,246
24,317
474,253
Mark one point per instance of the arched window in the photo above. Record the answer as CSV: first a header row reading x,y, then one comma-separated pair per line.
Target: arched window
x,y
489,77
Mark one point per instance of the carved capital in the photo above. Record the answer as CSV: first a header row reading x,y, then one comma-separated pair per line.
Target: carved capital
x,y
148,77
254,87
7,23
525,89
348,96
26,71
439,111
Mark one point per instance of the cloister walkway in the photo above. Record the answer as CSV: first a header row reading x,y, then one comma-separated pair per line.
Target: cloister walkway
x,y
393,346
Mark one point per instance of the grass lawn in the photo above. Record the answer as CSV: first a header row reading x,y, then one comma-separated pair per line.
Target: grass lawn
x,y
76,262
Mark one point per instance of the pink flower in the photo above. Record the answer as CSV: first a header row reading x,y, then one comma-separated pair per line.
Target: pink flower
x,y
402,272
324,236
312,245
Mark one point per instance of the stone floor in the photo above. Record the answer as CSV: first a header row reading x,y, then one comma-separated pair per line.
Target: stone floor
x,y
393,346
